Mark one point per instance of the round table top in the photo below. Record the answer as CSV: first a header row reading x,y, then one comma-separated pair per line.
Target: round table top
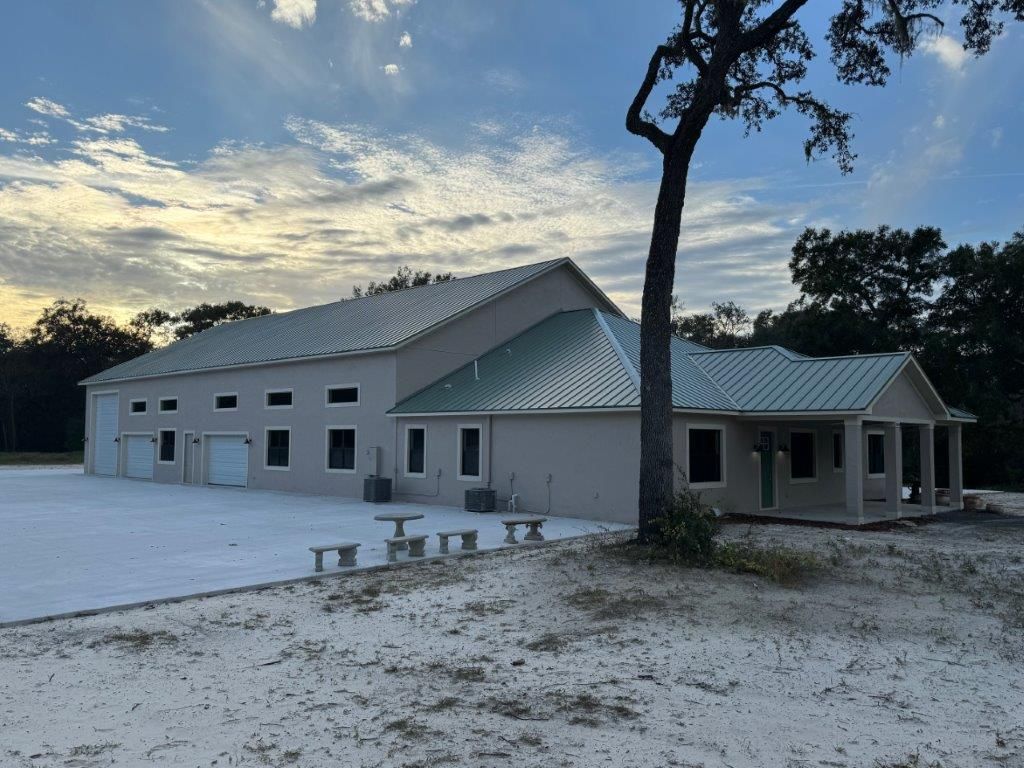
x,y
392,517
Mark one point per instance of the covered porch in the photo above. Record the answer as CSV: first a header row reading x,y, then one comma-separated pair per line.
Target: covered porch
x,y
852,472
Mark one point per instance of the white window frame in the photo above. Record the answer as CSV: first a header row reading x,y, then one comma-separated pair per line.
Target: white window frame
x,y
842,441
814,456
327,450
725,460
458,452
159,443
160,402
354,385
408,428
867,454
224,394
266,399
266,448
131,406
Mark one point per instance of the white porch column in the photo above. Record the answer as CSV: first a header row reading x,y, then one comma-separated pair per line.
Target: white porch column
x,y
927,432
956,466
893,468
853,458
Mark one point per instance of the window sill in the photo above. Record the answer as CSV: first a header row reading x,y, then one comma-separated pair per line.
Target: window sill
x,y
276,469
415,475
802,480
876,477
224,410
471,478
334,471
703,486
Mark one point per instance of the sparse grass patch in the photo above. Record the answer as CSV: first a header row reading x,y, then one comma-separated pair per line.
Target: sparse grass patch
x,y
444,704
603,604
92,750
589,710
407,728
549,642
14,458
136,639
778,564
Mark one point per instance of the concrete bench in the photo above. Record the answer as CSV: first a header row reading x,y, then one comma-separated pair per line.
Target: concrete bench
x,y
468,538
346,554
533,525
417,545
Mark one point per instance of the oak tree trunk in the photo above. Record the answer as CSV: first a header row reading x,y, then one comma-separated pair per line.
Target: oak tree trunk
x,y
656,461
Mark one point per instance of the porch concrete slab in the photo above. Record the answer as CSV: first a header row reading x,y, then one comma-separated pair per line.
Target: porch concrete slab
x,y
837,514
73,542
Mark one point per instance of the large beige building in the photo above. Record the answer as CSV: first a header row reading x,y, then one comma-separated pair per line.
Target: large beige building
x,y
525,381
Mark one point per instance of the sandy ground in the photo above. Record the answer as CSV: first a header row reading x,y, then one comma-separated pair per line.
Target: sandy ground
x,y
910,644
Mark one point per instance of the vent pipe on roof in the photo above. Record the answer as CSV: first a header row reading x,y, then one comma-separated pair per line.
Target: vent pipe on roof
x,y
476,371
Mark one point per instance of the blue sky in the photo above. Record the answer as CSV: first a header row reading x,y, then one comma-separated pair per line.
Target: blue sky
x,y
167,153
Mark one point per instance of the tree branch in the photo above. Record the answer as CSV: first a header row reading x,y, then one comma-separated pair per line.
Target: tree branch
x,y
771,26
635,122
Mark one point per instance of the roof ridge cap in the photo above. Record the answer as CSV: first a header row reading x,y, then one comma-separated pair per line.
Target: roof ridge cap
x,y
624,361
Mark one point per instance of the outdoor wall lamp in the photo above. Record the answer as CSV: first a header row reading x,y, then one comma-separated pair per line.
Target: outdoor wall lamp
x,y
248,440
783,448
195,441
117,439
761,445
152,439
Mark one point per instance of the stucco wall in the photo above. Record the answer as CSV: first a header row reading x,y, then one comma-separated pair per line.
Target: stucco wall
x,y
902,400
432,356
308,418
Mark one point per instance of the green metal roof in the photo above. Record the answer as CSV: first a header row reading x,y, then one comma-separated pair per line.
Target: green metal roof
x,y
961,413
589,360
357,325
773,379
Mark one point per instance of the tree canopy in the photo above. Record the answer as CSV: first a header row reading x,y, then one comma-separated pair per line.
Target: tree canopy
x,y
405,277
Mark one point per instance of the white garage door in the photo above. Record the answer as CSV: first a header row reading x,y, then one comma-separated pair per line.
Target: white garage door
x,y
227,460
104,449
138,455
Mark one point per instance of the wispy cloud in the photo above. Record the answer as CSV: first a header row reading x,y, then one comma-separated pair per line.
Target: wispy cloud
x,y
294,13
300,222
46,107
378,10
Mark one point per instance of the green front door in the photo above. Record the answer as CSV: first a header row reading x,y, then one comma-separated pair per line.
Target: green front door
x,y
766,442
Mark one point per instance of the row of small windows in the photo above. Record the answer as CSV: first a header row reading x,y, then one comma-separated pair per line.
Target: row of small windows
x,y
228,401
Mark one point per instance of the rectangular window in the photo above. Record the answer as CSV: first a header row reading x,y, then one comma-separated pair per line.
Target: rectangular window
x,y
838,446
343,394
166,455
803,460
341,449
225,402
278,443
416,451
281,398
469,453
168,405
876,454
137,407
707,456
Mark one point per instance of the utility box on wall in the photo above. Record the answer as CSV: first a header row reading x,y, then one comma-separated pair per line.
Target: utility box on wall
x,y
371,461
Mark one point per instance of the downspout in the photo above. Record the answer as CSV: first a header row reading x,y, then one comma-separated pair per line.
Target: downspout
x,y
490,445
394,454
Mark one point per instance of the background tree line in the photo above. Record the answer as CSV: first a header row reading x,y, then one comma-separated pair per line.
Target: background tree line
x,y
959,311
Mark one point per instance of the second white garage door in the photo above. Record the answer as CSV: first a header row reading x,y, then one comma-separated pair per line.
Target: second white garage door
x,y
138,454
227,460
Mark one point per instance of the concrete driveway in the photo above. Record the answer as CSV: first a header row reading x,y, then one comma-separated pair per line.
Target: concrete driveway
x,y
71,542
